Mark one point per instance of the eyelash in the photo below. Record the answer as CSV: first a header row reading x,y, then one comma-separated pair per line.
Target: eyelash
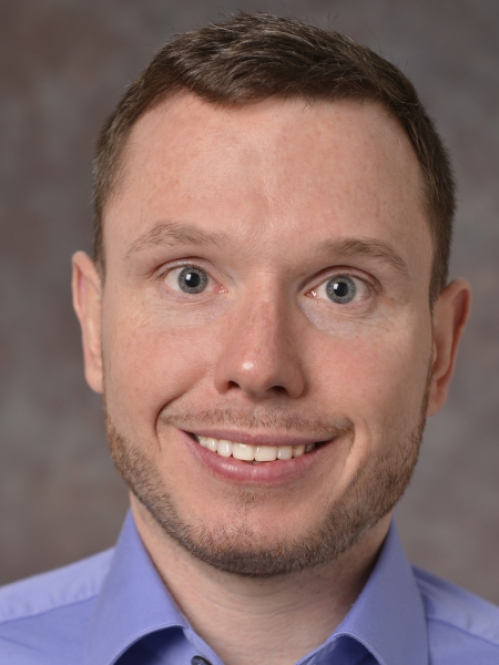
x,y
165,272
372,289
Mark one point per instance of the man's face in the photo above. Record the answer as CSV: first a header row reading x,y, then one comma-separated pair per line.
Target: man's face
x,y
267,278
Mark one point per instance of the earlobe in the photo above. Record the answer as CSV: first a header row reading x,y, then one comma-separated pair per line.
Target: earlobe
x,y
450,314
86,288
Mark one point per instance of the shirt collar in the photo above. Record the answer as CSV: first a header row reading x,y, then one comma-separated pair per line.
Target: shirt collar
x,y
388,617
132,603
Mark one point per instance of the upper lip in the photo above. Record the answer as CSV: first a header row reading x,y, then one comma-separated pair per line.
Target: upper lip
x,y
258,438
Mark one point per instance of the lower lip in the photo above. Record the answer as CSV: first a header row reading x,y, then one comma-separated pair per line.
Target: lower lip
x,y
267,473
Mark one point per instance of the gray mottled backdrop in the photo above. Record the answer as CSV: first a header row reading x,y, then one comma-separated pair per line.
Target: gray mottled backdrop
x,y
63,65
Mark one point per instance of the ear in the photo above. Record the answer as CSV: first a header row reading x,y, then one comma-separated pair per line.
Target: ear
x,y
86,287
450,314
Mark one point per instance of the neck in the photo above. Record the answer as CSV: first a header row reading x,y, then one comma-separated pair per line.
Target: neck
x,y
260,612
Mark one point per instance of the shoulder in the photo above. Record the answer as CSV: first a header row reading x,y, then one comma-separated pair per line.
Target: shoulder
x,y
462,628
43,619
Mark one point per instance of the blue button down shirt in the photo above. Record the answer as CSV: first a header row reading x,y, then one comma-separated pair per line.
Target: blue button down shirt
x,y
113,609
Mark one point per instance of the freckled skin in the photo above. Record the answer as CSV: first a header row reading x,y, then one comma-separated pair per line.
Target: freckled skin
x,y
278,179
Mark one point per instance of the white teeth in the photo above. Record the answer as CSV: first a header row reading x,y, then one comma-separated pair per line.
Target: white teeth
x,y
285,452
211,444
265,453
248,453
243,451
224,448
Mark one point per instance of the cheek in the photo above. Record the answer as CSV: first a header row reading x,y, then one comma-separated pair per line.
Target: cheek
x,y
147,365
378,379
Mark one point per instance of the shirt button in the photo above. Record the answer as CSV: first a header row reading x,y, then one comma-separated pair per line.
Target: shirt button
x,y
199,660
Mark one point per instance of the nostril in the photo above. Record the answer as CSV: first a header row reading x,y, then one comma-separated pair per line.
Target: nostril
x,y
199,660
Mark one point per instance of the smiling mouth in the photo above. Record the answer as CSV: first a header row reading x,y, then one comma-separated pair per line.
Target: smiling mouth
x,y
253,454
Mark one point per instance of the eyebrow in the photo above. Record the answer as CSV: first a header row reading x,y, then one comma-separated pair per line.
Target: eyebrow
x,y
370,247
171,233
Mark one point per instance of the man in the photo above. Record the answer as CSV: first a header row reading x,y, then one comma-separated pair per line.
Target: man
x,y
268,318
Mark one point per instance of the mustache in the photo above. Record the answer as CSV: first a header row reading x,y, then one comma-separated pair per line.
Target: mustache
x,y
261,419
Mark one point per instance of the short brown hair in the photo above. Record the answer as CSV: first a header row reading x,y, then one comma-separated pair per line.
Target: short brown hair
x,y
250,58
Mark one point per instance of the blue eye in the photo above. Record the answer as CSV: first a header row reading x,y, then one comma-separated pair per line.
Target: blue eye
x,y
341,289
192,280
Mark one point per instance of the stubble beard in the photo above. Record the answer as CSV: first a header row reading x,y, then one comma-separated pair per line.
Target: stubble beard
x,y
373,493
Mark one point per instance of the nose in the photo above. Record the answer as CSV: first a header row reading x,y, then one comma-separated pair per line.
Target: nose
x,y
260,351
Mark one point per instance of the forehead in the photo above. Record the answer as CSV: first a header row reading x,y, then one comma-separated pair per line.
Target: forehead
x,y
273,168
